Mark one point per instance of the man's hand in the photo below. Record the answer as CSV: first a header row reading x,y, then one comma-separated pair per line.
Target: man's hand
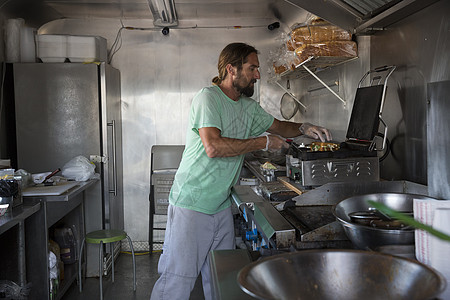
x,y
276,143
315,132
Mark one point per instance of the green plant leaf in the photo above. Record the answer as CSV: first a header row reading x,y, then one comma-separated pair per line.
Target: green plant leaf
x,y
408,220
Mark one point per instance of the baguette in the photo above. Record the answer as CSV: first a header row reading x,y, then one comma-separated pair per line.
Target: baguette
x,y
333,48
311,34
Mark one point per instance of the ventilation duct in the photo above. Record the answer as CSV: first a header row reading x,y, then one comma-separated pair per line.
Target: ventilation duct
x,y
164,13
362,16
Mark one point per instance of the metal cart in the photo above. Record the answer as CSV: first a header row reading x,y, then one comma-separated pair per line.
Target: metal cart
x,y
165,160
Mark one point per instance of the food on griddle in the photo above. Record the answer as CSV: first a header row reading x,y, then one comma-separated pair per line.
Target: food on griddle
x,y
268,166
323,146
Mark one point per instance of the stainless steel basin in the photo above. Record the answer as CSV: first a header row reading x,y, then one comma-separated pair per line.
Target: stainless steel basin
x,y
339,274
369,238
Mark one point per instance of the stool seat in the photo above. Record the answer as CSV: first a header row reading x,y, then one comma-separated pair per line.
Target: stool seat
x,y
105,236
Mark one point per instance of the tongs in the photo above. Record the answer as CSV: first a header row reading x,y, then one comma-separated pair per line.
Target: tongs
x,y
44,181
51,175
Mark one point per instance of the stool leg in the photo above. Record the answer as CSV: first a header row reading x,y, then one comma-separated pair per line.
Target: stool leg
x,y
134,263
112,255
100,269
79,264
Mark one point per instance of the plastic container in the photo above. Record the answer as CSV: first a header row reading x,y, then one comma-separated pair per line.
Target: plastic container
x,y
5,163
86,48
12,39
51,47
27,44
3,209
248,181
439,258
67,244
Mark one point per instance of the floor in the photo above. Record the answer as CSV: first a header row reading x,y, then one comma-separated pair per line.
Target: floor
x,y
122,288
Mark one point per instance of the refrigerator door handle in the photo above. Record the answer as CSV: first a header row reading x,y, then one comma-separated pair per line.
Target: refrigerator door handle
x,y
112,124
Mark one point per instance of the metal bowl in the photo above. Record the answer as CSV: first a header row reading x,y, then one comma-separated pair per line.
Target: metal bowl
x,y
366,237
339,274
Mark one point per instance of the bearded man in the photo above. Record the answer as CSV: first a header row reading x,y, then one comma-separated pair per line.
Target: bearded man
x,y
224,125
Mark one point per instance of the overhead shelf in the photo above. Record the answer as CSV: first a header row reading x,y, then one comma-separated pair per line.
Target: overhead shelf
x,y
311,66
315,64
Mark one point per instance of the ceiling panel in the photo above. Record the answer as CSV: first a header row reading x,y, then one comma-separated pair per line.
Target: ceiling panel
x,y
186,9
101,9
357,16
245,12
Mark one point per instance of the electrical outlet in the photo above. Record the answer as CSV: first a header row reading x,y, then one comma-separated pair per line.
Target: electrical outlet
x,y
95,158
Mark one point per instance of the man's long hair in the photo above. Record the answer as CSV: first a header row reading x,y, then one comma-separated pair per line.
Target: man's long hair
x,y
234,54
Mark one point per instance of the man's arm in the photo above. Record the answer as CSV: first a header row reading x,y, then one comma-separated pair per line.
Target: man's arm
x,y
218,146
291,129
285,129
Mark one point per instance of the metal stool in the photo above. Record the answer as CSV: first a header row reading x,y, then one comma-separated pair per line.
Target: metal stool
x,y
101,237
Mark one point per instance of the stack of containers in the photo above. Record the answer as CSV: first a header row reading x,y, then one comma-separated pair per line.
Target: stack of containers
x,y
51,47
86,48
59,48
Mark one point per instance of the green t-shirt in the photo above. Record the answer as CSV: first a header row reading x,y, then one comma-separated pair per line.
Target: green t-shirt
x,y
202,183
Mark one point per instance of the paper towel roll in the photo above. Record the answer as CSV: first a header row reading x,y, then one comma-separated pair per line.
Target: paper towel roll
x,y
27,44
12,39
440,249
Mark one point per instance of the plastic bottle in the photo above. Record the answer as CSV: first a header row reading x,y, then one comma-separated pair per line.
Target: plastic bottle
x,y
67,243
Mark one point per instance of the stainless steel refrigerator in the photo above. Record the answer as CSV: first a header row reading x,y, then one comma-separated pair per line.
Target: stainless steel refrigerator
x,y
68,109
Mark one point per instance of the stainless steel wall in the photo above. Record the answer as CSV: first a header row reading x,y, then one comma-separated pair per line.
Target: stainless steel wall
x,y
420,46
322,107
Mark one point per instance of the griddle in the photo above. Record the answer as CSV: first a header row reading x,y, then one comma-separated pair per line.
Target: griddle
x,y
309,218
364,122
345,151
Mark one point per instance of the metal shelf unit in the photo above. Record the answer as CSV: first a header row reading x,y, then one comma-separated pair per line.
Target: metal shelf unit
x,y
68,206
311,66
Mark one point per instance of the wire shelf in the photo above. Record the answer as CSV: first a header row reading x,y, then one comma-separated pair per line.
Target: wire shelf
x,y
315,64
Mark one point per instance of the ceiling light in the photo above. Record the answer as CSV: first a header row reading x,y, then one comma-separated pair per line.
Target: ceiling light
x,y
164,13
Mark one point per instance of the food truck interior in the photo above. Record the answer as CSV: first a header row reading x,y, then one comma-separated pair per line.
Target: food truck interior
x,y
111,83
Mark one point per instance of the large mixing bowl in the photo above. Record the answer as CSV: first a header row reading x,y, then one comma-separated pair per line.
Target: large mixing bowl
x,y
339,274
367,237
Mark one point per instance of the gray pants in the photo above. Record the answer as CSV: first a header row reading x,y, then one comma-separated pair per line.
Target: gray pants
x,y
189,237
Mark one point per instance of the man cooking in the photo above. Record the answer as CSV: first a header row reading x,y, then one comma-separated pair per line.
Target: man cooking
x,y
224,124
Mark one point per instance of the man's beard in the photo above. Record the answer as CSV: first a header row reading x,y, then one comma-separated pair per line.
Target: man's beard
x,y
245,90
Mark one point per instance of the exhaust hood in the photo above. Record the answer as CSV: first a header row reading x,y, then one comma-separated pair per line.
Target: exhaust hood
x,y
363,16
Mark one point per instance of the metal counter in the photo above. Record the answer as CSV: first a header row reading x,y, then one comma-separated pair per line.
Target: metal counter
x,y
309,215
72,192
225,266
273,227
17,216
69,207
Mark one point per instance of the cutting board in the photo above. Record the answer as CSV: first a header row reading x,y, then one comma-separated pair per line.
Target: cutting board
x,y
52,190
